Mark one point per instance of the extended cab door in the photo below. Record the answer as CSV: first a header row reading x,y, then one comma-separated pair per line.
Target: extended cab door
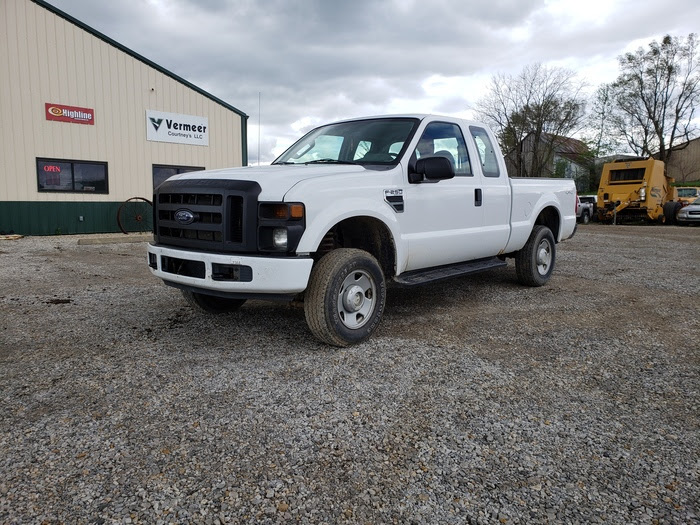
x,y
495,189
442,222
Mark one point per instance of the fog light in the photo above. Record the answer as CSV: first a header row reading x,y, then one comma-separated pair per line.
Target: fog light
x,y
279,238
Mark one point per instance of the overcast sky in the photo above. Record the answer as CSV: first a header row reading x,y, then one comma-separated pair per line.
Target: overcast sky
x,y
314,61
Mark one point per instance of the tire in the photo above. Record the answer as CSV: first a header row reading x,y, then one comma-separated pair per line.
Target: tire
x,y
671,209
678,207
585,217
534,263
211,304
345,299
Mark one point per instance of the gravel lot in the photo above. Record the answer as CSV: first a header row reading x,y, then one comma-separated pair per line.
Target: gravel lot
x,y
478,400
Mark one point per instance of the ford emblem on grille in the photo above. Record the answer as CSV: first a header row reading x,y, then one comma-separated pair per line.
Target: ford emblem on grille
x,y
185,216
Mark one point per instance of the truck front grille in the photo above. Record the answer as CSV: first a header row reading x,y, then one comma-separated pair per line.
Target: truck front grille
x,y
207,214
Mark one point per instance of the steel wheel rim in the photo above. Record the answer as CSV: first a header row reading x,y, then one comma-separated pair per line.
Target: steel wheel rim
x,y
356,299
544,257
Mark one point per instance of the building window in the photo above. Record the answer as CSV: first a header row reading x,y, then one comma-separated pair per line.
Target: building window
x,y
75,176
162,172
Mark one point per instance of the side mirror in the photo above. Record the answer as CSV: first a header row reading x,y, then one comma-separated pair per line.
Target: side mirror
x,y
433,168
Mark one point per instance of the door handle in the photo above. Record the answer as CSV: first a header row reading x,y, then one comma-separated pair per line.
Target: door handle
x,y
477,197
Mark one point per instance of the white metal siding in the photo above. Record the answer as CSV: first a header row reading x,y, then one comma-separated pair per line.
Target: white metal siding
x,y
44,58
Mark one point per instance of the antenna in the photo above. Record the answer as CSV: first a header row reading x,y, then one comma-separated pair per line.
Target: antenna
x,y
259,125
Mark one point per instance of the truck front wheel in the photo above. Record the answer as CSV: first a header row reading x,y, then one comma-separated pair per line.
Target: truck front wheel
x,y
345,298
534,263
210,303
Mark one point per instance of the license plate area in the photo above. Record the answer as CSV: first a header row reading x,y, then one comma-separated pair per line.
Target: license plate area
x,y
184,267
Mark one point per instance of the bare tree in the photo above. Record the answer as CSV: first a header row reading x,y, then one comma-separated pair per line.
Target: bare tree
x,y
656,96
543,104
602,139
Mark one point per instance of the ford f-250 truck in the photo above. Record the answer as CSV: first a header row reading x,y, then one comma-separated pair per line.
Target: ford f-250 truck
x,y
349,207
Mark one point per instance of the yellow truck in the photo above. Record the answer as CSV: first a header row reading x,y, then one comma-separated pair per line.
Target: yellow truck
x,y
633,190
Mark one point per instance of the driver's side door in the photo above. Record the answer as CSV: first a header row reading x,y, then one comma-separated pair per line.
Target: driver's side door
x,y
442,220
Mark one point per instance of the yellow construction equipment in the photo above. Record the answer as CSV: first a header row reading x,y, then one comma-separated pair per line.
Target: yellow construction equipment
x,y
633,190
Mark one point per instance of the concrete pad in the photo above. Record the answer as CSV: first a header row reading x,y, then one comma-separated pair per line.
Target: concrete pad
x,y
116,239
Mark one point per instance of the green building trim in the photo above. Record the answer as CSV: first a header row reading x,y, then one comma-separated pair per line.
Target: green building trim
x,y
60,218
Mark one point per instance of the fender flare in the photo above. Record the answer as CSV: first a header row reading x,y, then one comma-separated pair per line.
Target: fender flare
x,y
330,216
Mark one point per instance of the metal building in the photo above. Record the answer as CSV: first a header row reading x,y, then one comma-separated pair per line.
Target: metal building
x,y
88,123
684,165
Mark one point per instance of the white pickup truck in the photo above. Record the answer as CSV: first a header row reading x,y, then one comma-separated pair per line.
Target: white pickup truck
x,y
349,207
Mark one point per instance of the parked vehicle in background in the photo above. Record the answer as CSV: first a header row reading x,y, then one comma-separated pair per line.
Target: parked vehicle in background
x,y
687,194
690,214
347,208
586,208
633,190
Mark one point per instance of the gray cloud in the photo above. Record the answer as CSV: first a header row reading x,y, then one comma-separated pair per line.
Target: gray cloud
x,y
323,60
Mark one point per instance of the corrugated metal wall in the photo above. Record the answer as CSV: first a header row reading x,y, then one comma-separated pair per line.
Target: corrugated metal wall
x,y
684,165
47,59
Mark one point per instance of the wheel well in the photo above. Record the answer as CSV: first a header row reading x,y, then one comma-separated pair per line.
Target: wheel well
x,y
549,217
364,233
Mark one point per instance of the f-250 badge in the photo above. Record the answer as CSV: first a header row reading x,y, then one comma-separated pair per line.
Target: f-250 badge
x,y
395,199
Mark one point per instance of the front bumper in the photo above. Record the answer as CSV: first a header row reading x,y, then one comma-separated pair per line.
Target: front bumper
x,y
223,274
685,216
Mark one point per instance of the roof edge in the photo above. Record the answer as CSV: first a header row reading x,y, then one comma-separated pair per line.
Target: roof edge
x,y
138,57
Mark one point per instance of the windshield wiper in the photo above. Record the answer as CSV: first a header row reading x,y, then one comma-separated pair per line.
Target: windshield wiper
x,y
330,161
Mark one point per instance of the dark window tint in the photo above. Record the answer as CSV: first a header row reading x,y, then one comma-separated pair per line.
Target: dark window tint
x,y
625,175
162,172
72,176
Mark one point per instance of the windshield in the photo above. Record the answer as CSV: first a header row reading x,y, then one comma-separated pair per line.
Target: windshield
x,y
372,141
687,192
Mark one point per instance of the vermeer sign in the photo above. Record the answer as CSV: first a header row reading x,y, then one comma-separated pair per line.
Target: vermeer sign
x,y
72,114
180,129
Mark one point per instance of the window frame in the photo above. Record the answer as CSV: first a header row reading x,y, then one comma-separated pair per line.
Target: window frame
x,y
470,172
187,169
72,163
481,131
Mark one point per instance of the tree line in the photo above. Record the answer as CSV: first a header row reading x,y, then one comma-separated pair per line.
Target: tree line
x,y
648,110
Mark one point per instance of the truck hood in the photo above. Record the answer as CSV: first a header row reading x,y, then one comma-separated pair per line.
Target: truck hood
x,y
275,180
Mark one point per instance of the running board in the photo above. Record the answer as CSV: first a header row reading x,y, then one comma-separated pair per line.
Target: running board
x,y
451,270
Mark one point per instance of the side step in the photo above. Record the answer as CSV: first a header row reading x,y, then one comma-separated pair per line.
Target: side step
x,y
451,270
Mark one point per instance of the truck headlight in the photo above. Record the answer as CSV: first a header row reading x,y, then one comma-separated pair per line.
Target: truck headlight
x,y
279,238
280,226
643,194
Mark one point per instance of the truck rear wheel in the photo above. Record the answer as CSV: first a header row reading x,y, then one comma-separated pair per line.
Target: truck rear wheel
x,y
211,303
534,263
345,298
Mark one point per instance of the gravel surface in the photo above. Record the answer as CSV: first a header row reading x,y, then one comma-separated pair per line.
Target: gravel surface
x,y
477,401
